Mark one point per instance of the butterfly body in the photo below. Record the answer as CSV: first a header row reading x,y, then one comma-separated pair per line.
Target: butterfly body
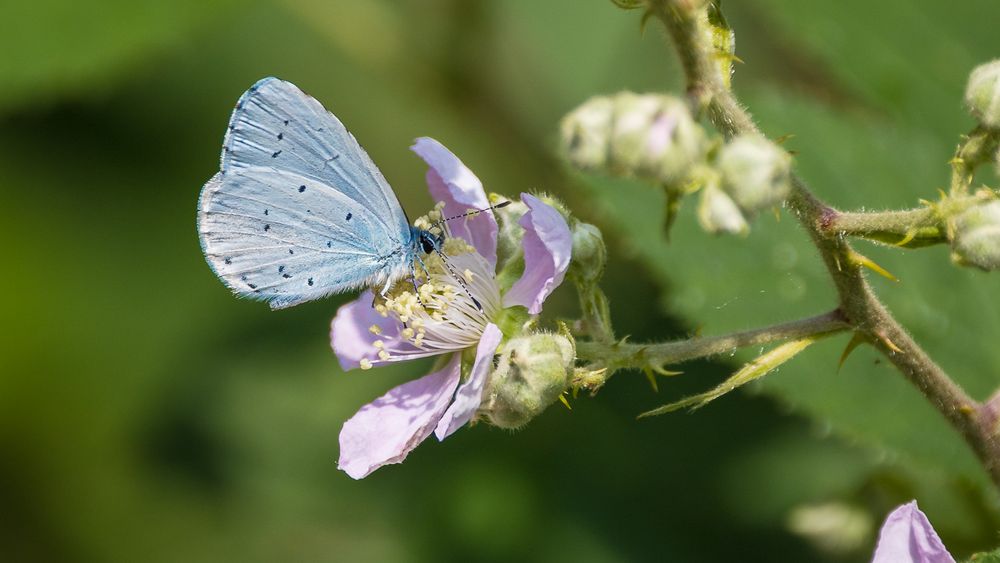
x,y
298,211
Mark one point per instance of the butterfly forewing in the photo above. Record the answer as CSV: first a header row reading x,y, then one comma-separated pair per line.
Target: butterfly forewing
x,y
275,124
296,229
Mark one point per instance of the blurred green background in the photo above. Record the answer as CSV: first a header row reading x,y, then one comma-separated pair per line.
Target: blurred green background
x,y
147,415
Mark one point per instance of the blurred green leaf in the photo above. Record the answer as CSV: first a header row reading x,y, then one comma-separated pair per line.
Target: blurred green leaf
x,y
54,47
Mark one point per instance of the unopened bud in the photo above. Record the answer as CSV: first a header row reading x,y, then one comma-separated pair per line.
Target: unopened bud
x,y
589,253
531,374
976,236
718,213
982,94
649,136
655,138
755,172
586,133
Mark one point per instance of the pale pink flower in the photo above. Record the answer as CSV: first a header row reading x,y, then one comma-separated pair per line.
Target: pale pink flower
x,y
443,320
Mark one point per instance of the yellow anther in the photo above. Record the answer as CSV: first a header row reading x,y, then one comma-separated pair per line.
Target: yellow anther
x,y
407,333
378,344
437,316
468,275
375,329
383,355
365,363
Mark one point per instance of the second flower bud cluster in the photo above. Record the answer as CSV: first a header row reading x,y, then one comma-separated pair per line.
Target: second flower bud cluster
x,y
654,137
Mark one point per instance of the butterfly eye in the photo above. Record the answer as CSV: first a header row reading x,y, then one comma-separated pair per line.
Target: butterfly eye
x,y
428,242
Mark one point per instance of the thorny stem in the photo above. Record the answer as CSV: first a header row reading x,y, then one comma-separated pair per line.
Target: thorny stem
x,y
913,228
861,308
640,356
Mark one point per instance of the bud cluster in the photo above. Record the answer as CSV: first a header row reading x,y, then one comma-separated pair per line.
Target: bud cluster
x,y
654,137
648,136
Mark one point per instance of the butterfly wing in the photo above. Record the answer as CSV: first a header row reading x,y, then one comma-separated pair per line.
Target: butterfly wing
x,y
298,211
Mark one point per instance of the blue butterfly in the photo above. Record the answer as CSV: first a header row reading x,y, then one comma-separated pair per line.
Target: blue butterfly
x,y
298,210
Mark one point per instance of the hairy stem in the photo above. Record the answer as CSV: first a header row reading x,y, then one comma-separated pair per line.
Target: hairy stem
x,y
859,305
912,228
641,356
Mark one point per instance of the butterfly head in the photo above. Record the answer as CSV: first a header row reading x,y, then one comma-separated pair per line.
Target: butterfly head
x,y
427,241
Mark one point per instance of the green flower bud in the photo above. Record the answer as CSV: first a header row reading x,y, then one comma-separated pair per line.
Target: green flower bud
x,y
655,138
649,136
982,94
718,213
531,374
586,133
589,253
975,239
755,172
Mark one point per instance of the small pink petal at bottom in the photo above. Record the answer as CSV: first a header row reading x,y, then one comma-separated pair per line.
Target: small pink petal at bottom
x,y
387,429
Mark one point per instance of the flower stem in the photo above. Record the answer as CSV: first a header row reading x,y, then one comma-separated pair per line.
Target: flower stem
x,y
860,307
912,228
621,355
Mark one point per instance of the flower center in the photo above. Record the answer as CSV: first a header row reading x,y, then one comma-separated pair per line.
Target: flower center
x,y
445,308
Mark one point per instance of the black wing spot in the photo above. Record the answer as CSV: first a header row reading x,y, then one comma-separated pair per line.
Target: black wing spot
x,y
243,278
265,211
290,251
275,154
281,269
309,281
281,136
309,210
349,215
252,286
302,189
228,260
329,244
286,122
267,228
286,276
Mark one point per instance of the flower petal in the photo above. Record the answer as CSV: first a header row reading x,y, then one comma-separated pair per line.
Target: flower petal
x,y
387,429
453,183
352,341
349,335
548,244
470,393
908,537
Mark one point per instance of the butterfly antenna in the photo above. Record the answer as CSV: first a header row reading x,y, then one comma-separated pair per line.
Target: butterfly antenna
x,y
471,212
454,273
